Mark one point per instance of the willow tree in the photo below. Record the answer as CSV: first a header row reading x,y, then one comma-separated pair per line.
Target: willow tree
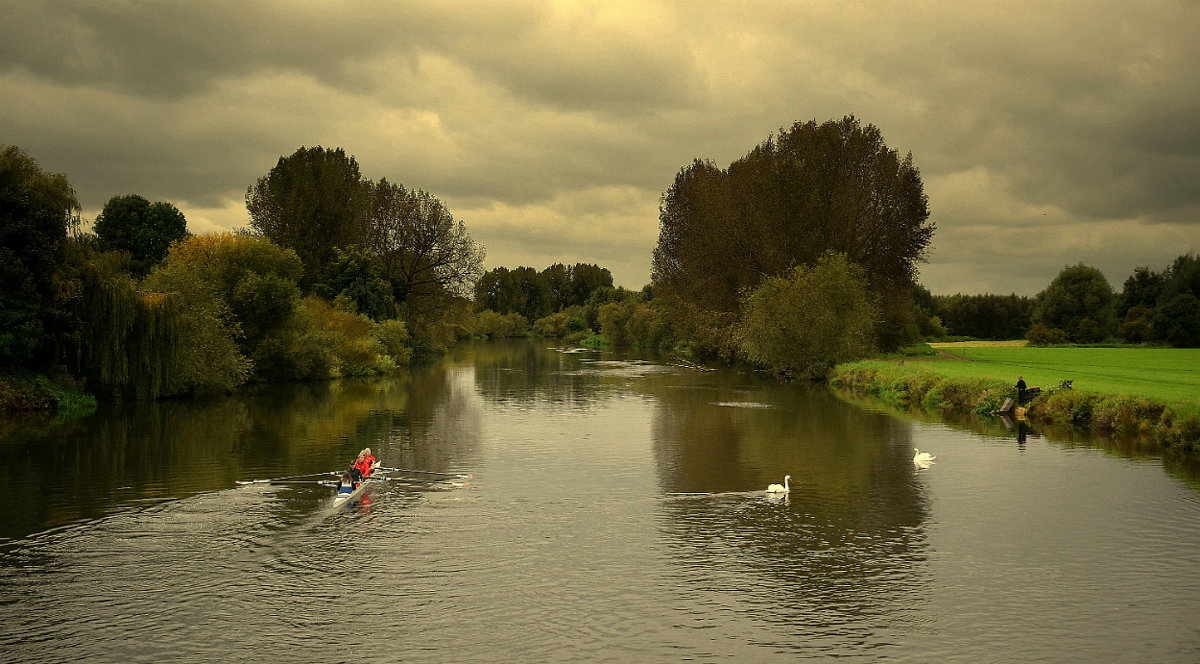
x,y
128,340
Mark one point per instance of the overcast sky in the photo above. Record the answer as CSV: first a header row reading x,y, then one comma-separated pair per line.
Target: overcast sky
x,y
1047,133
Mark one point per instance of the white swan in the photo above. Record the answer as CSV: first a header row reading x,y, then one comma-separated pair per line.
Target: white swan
x,y
780,488
922,458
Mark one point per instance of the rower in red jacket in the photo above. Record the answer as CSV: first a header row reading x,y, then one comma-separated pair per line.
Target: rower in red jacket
x,y
365,463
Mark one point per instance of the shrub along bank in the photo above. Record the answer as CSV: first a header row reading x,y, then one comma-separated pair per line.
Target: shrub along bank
x,y
1157,426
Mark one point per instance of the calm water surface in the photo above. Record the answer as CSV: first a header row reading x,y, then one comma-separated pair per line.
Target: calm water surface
x,y
616,514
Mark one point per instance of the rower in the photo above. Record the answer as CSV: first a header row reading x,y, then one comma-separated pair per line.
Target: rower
x,y
365,463
347,484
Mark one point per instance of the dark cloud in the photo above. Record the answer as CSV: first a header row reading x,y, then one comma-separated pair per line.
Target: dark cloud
x,y
1047,134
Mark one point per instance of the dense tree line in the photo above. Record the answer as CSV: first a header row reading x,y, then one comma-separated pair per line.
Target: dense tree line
x,y
1080,306
1153,307
533,294
985,316
325,286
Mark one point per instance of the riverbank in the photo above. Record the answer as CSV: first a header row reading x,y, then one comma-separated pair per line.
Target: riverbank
x,y
952,381
38,393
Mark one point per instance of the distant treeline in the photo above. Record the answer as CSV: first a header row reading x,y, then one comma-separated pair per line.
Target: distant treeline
x,y
1080,306
335,275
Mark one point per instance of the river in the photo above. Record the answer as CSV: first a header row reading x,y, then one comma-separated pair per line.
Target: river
x,y
615,513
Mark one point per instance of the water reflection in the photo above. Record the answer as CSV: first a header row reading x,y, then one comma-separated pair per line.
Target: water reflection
x,y
152,451
840,558
1020,431
617,514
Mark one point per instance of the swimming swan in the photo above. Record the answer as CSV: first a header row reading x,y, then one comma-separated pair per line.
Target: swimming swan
x,y
922,458
780,488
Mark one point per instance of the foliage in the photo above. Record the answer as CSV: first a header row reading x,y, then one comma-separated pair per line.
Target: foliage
x,y
594,340
1141,289
537,294
422,250
1079,302
128,341
395,341
432,336
495,325
144,229
521,290
1136,326
985,316
1040,335
354,275
952,386
648,325
1156,306
811,318
256,279
811,189
311,202
1177,320
208,359
34,392
586,279
566,325
37,211
613,317
600,296
348,336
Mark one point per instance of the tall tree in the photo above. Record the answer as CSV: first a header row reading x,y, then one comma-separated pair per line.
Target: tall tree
x,y
814,188
144,229
1080,302
558,280
37,210
424,252
312,202
586,278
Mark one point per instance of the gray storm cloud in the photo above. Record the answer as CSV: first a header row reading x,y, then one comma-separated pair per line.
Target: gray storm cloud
x,y
1046,134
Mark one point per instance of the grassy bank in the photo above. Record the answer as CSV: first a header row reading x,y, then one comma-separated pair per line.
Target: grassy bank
x,y
38,393
1150,394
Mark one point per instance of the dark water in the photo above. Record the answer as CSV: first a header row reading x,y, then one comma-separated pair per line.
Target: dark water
x,y
616,513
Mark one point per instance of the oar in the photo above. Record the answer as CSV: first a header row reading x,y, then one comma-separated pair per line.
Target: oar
x,y
413,480
321,482
427,472
290,477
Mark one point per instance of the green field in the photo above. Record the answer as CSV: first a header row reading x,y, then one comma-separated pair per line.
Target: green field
x,y
1170,375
